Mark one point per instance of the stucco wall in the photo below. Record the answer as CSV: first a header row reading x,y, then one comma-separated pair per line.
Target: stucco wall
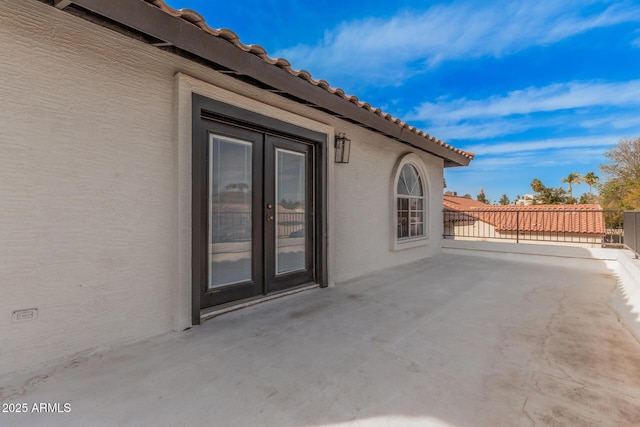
x,y
88,199
364,202
95,195
627,297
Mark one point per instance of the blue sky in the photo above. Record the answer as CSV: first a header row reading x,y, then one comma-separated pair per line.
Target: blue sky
x,y
537,89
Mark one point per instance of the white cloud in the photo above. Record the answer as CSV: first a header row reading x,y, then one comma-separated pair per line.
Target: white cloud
x,y
489,129
561,157
555,97
544,144
501,163
387,49
492,127
600,107
615,120
574,156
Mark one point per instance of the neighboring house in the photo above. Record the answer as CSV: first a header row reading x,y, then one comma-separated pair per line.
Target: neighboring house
x,y
460,203
526,200
155,169
465,218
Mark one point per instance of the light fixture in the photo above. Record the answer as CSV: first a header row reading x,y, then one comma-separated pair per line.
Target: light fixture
x,y
343,147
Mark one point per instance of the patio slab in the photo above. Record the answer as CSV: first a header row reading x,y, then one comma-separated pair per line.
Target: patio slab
x,y
450,341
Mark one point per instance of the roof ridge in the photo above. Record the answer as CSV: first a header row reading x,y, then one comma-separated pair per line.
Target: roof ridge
x,y
198,20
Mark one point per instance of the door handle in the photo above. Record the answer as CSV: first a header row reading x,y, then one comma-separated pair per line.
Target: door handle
x,y
270,217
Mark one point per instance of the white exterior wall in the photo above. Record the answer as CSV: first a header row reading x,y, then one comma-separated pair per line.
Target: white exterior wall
x,y
95,194
473,230
363,197
559,238
88,198
483,231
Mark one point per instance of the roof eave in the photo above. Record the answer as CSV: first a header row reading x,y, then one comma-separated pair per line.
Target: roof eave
x,y
145,18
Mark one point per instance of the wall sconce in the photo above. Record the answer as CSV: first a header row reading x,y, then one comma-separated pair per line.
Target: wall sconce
x,y
343,147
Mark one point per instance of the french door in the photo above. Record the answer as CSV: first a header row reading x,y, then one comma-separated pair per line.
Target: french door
x,y
254,229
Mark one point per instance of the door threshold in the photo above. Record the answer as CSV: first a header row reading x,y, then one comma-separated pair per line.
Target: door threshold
x,y
210,313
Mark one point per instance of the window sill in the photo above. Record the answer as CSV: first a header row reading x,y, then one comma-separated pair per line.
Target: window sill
x,y
413,242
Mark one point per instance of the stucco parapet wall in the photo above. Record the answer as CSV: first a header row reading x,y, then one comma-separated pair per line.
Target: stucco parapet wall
x,y
529,252
627,298
114,10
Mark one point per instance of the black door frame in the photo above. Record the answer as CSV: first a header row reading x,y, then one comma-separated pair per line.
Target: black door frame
x,y
206,110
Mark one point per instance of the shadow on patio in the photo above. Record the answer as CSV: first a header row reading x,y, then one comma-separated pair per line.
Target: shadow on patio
x,y
451,341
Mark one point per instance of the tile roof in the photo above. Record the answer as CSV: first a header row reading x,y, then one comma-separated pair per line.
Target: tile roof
x,y
579,219
196,19
462,203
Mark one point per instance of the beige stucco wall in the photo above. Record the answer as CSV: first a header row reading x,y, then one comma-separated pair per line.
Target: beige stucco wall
x,y
95,186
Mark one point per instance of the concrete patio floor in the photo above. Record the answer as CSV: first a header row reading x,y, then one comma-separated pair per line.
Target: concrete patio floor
x,y
451,341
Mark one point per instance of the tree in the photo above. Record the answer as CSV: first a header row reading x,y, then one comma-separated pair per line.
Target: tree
x,y
548,195
553,196
633,197
591,179
612,194
621,190
481,196
504,200
536,185
588,198
624,160
572,178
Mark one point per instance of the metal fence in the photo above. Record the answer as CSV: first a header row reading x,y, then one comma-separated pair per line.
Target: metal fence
x,y
231,227
632,231
237,226
565,225
290,224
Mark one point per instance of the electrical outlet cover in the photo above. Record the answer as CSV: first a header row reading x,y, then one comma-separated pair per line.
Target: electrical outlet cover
x,y
25,314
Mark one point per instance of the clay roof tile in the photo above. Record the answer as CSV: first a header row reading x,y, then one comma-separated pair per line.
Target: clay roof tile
x,y
584,219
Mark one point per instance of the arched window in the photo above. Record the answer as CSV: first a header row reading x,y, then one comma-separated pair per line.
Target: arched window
x,y
410,203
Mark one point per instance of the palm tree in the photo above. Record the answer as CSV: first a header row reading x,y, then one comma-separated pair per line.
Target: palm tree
x,y
591,179
572,178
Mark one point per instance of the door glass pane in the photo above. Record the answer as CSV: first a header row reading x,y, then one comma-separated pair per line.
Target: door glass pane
x,y
230,196
291,215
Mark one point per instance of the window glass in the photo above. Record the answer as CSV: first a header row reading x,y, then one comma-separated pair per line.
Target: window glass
x,y
230,196
410,203
291,213
409,182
